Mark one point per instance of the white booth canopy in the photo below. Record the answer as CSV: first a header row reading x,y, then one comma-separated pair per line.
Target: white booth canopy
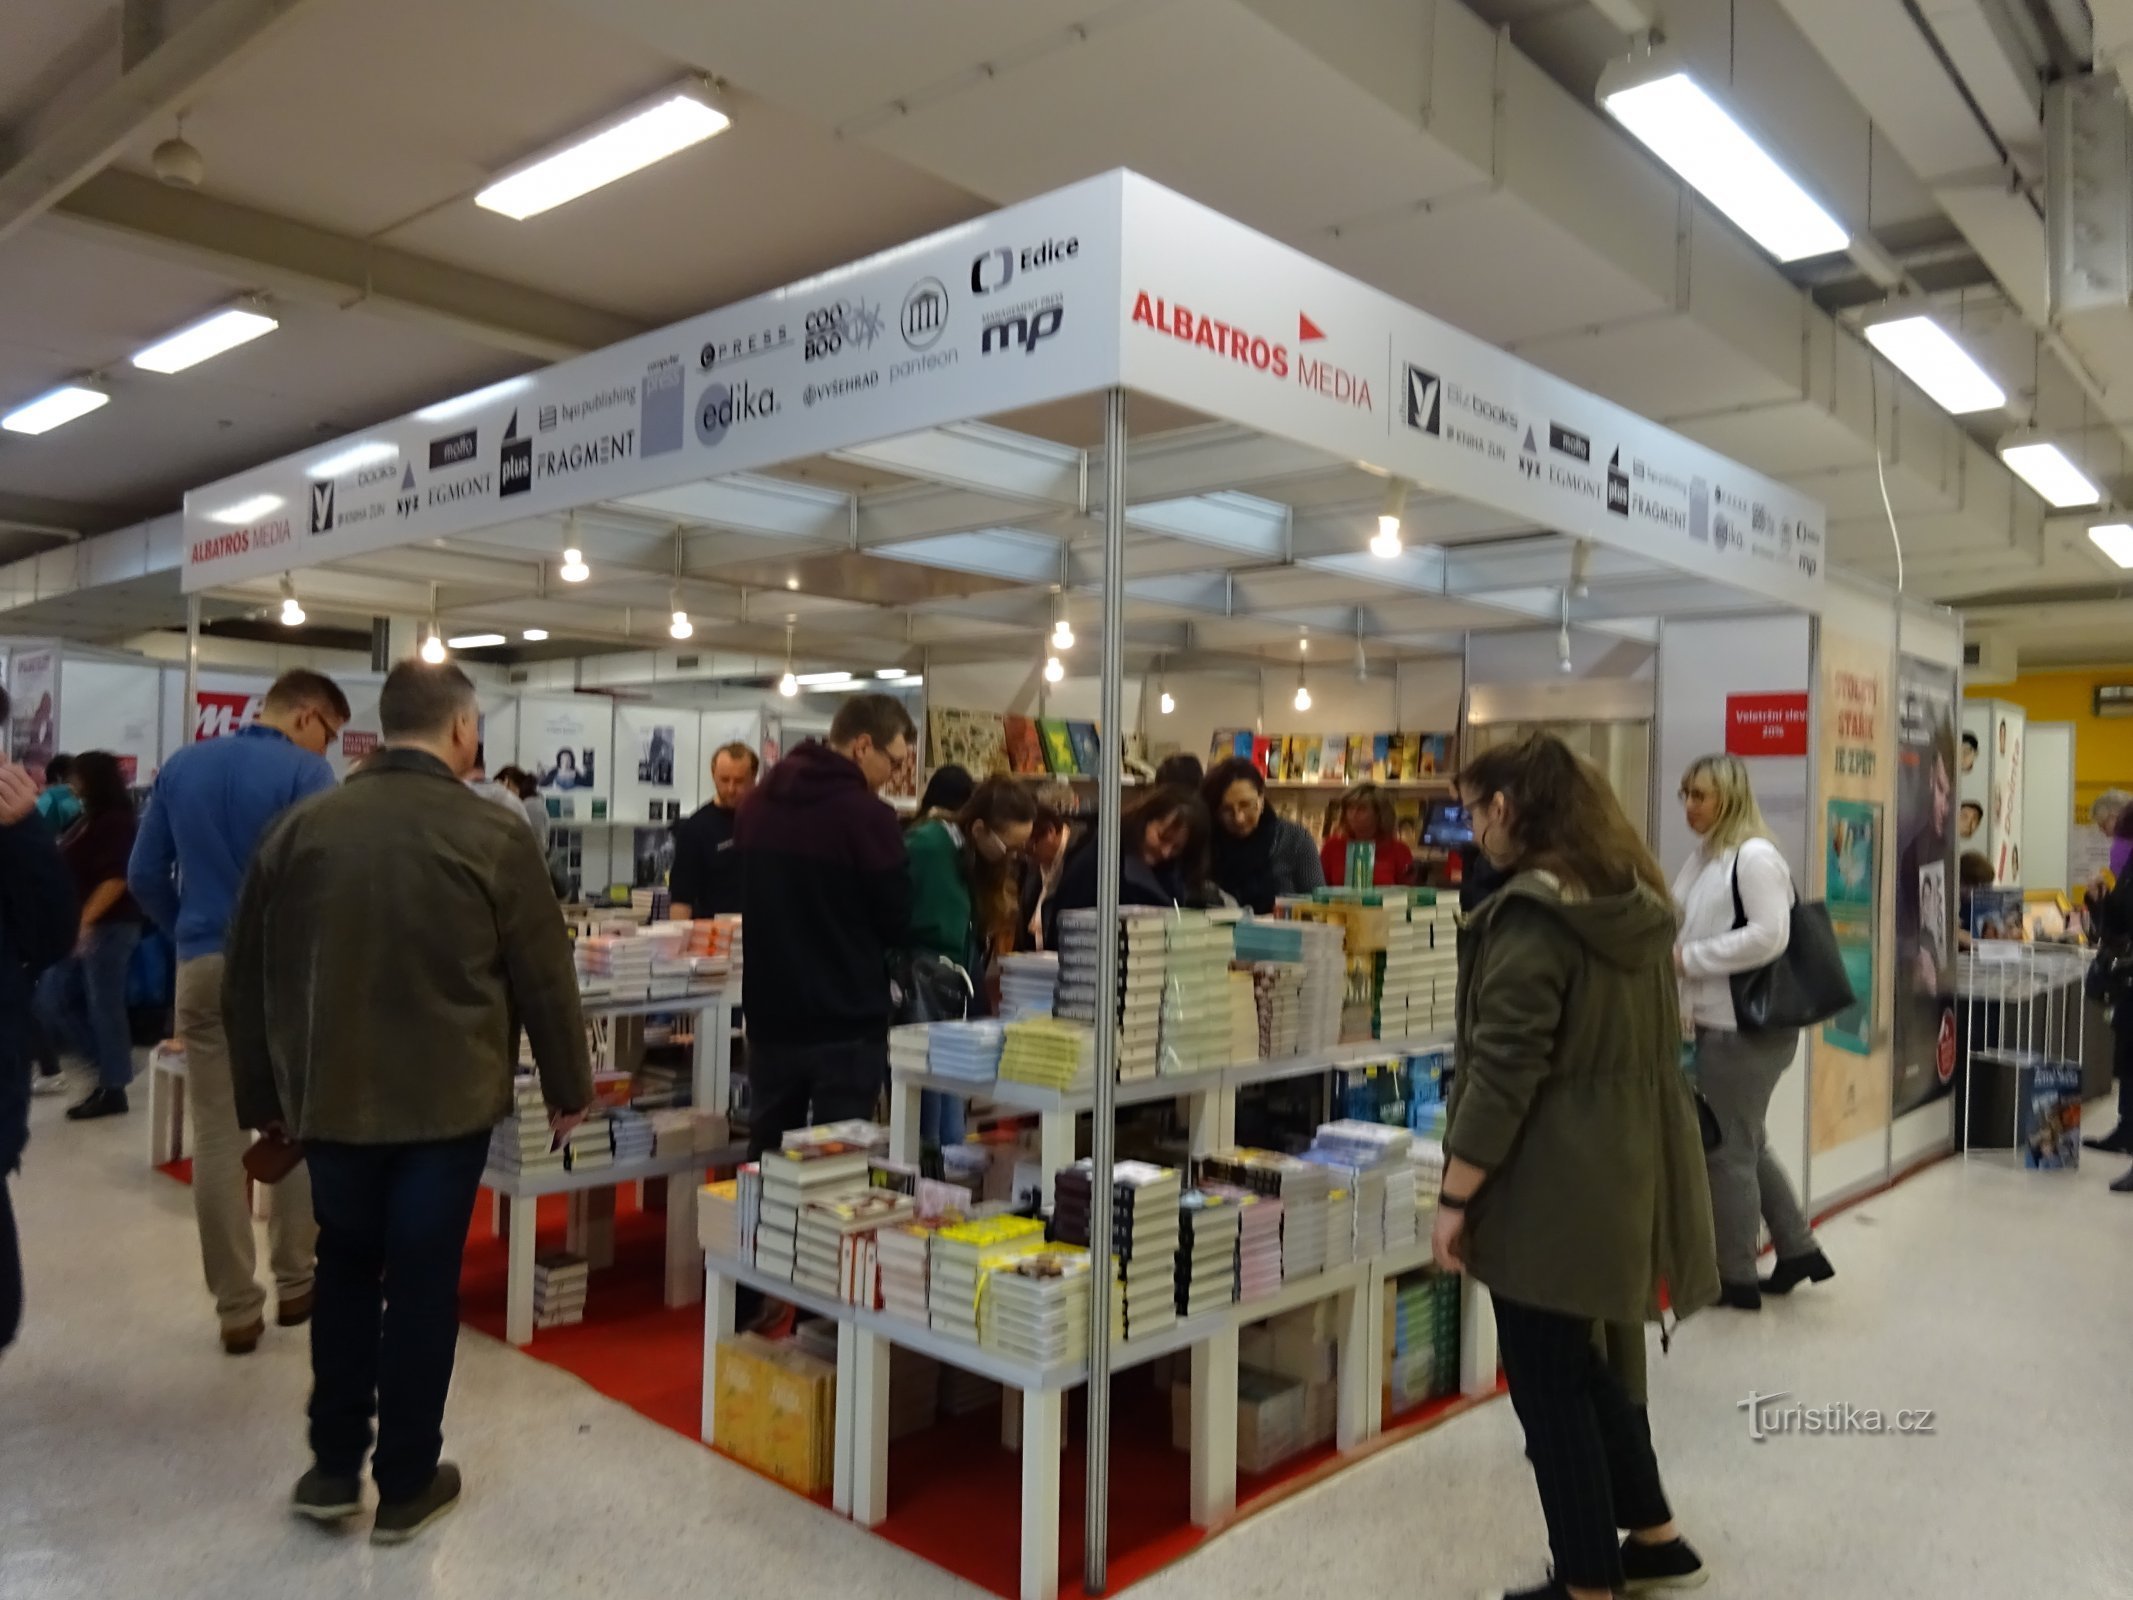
x,y
809,460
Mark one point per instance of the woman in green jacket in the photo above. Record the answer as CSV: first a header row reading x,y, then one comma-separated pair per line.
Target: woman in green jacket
x,y
964,894
1574,1182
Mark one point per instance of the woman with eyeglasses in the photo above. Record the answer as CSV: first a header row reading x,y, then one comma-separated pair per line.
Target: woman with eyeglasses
x,y
1735,899
1162,858
965,888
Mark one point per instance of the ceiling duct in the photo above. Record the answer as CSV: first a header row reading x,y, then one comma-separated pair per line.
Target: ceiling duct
x,y
2088,217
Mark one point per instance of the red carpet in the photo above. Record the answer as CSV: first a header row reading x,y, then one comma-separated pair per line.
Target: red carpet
x,y
954,1492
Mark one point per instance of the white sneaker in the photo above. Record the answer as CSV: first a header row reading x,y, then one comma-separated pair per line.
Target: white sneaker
x,y
55,1084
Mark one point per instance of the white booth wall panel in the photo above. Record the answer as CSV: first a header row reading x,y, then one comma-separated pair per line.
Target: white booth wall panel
x,y
645,735
2047,824
1933,633
499,729
114,706
583,726
1917,1135
1701,664
1848,1170
1531,656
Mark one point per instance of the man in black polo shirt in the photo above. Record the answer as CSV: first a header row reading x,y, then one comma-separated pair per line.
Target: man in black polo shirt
x,y
706,880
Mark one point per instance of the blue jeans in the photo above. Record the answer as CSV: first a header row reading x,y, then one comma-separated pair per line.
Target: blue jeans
x,y
941,1119
82,1002
392,1227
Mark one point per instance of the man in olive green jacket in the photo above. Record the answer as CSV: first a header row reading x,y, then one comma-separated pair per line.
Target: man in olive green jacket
x,y
392,937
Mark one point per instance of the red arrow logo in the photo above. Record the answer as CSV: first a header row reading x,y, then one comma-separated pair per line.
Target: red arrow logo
x,y
1307,330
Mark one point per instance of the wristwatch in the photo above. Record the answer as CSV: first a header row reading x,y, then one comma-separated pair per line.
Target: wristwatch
x,y
1452,1202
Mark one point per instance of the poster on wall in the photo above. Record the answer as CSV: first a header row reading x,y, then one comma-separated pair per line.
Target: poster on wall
x,y
33,725
564,744
222,712
1989,818
655,756
1927,825
1849,1087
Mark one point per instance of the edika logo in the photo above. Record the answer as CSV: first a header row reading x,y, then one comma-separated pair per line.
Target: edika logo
x,y
516,468
724,408
409,501
1425,401
322,507
1025,328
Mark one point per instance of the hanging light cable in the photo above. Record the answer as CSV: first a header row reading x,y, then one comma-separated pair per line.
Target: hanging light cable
x,y
682,627
1303,689
788,685
1163,702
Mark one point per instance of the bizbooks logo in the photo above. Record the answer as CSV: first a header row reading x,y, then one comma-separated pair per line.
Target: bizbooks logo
x,y
515,471
322,507
1425,401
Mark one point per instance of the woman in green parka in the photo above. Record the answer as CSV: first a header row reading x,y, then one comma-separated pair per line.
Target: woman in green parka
x,y
1574,1183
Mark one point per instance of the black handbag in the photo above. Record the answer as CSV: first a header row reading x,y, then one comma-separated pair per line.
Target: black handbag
x,y
2109,979
930,988
1805,985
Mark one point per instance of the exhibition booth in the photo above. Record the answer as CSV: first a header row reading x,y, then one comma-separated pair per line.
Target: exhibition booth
x,y
1097,478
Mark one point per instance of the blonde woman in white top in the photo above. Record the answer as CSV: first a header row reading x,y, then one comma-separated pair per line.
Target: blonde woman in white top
x,y
1737,1072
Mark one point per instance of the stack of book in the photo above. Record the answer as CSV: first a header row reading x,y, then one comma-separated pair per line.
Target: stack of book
x,y
1319,947
1139,983
966,1051
1258,1243
909,1049
962,1258
1421,1338
1037,1306
1029,984
1206,1277
904,1248
1277,1000
1195,1005
1243,1017
559,1283
790,1179
1301,1186
1049,1052
748,1196
590,1146
1371,1159
523,1142
623,963
718,1219
835,1252
1340,1225
1144,1238
633,1135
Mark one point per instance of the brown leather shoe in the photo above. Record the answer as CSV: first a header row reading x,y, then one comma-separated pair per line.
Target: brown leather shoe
x,y
243,1341
295,1311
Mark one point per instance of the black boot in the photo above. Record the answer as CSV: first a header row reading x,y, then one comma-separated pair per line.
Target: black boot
x,y
2118,1142
1740,1296
101,1103
2124,1185
1792,1271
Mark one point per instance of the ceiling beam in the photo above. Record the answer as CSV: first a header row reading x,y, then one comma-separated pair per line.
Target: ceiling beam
x,y
300,262
84,124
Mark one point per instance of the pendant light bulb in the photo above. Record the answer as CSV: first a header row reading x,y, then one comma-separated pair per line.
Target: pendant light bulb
x,y
1062,635
433,648
1386,544
788,685
292,614
682,626
1303,696
1054,670
574,568
1166,703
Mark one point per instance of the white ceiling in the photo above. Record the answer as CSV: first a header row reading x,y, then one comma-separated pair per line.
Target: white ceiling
x,y
1448,152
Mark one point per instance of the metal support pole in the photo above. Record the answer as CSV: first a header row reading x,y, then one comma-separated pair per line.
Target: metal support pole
x,y
1097,1529
192,670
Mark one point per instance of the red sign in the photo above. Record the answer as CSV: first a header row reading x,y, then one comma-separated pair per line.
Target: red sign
x,y
1766,724
356,744
222,713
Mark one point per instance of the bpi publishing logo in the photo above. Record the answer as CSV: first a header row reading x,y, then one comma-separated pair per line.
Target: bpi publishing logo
x,y
322,507
516,474
1425,401
925,316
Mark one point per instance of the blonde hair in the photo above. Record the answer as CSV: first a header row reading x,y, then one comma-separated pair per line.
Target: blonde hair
x,y
1739,817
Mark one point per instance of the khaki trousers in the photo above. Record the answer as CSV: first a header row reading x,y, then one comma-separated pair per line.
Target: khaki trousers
x,y
228,1251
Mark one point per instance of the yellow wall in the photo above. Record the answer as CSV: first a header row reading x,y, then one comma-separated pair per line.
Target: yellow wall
x,y
2103,747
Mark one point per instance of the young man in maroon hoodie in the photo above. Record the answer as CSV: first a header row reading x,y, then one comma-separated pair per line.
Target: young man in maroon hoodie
x,y
824,898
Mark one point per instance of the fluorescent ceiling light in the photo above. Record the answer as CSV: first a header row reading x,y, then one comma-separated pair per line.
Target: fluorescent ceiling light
x,y
1694,134
460,405
2114,539
476,641
2046,469
209,337
1925,353
354,459
535,635
890,673
54,410
600,157
823,680
250,509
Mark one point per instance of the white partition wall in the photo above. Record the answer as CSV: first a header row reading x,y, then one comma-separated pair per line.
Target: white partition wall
x,y
658,762
116,706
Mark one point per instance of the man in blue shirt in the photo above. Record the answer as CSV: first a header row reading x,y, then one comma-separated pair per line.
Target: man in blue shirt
x,y
213,802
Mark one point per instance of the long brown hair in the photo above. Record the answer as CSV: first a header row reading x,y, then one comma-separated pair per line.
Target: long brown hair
x,y
1374,799
1564,816
995,888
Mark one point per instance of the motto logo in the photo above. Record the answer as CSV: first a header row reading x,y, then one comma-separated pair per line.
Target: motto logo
x,y
1425,401
725,408
925,316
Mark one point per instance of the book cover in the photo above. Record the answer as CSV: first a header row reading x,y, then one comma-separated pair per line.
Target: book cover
x,y
1087,753
1314,757
976,740
1228,743
1292,757
1436,755
1380,757
1263,754
1025,751
1333,768
1359,757
1410,757
1058,746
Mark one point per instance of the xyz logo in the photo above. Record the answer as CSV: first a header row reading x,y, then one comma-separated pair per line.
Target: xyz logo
x,y
409,502
1425,401
322,507
1025,329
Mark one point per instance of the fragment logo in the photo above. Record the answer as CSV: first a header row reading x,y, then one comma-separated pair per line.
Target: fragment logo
x,y
322,507
847,325
1027,328
996,269
1425,401
724,408
515,474
925,314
